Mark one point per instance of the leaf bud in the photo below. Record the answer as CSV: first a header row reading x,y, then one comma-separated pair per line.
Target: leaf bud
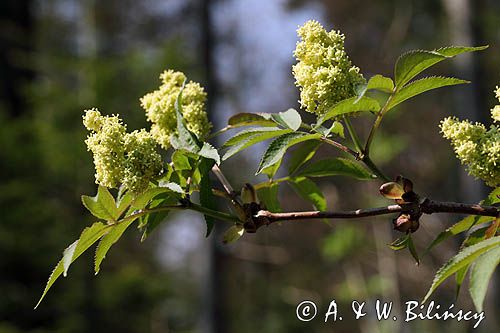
x,y
248,194
392,190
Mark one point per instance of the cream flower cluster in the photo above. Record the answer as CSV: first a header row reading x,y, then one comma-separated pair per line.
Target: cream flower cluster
x,y
495,112
124,158
324,73
160,108
475,146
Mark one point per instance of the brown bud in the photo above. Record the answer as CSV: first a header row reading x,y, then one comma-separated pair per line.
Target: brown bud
x,y
410,197
391,190
405,183
405,223
414,225
402,223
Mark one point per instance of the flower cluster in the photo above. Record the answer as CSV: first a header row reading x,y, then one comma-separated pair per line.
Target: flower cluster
x,y
124,158
476,146
160,108
495,112
324,72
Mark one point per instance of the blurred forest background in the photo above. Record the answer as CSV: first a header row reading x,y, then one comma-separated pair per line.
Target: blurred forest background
x,y
59,57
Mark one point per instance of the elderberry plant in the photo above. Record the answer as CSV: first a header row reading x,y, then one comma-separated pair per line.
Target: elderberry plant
x,y
148,186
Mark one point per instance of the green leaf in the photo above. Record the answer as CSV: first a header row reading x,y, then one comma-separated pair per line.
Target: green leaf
x,y
492,198
336,167
109,239
181,160
233,234
350,105
184,138
309,191
380,82
210,152
142,200
124,202
400,243
250,119
420,86
459,227
459,279
302,154
271,170
152,220
462,259
411,63
290,119
413,250
480,275
376,82
172,186
251,140
474,237
337,128
414,62
103,205
451,51
269,196
207,198
87,238
245,134
279,146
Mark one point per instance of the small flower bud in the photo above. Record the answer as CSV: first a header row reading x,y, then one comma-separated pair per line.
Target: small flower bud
x,y
392,190
402,223
406,223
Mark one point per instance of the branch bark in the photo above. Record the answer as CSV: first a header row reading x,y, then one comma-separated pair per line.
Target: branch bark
x,y
426,206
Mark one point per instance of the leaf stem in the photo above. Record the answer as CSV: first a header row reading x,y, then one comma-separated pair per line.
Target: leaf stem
x,y
359,157
340,146
187,206
267,183
353,134
377,122
306,126
369,163
213,213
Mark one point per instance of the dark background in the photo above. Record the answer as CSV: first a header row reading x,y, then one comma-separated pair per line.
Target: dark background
x,y
59,57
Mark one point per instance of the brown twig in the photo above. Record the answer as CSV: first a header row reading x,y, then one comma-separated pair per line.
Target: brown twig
x,y
341,147
426,206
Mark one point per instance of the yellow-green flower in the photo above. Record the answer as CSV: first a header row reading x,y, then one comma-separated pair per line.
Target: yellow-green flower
x,y
160,108
495,112
324,73
475,146
124,158
142,162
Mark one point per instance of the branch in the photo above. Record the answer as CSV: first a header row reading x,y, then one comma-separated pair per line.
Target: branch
x,y
359,156
376,124
231,193
426,206
341,147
